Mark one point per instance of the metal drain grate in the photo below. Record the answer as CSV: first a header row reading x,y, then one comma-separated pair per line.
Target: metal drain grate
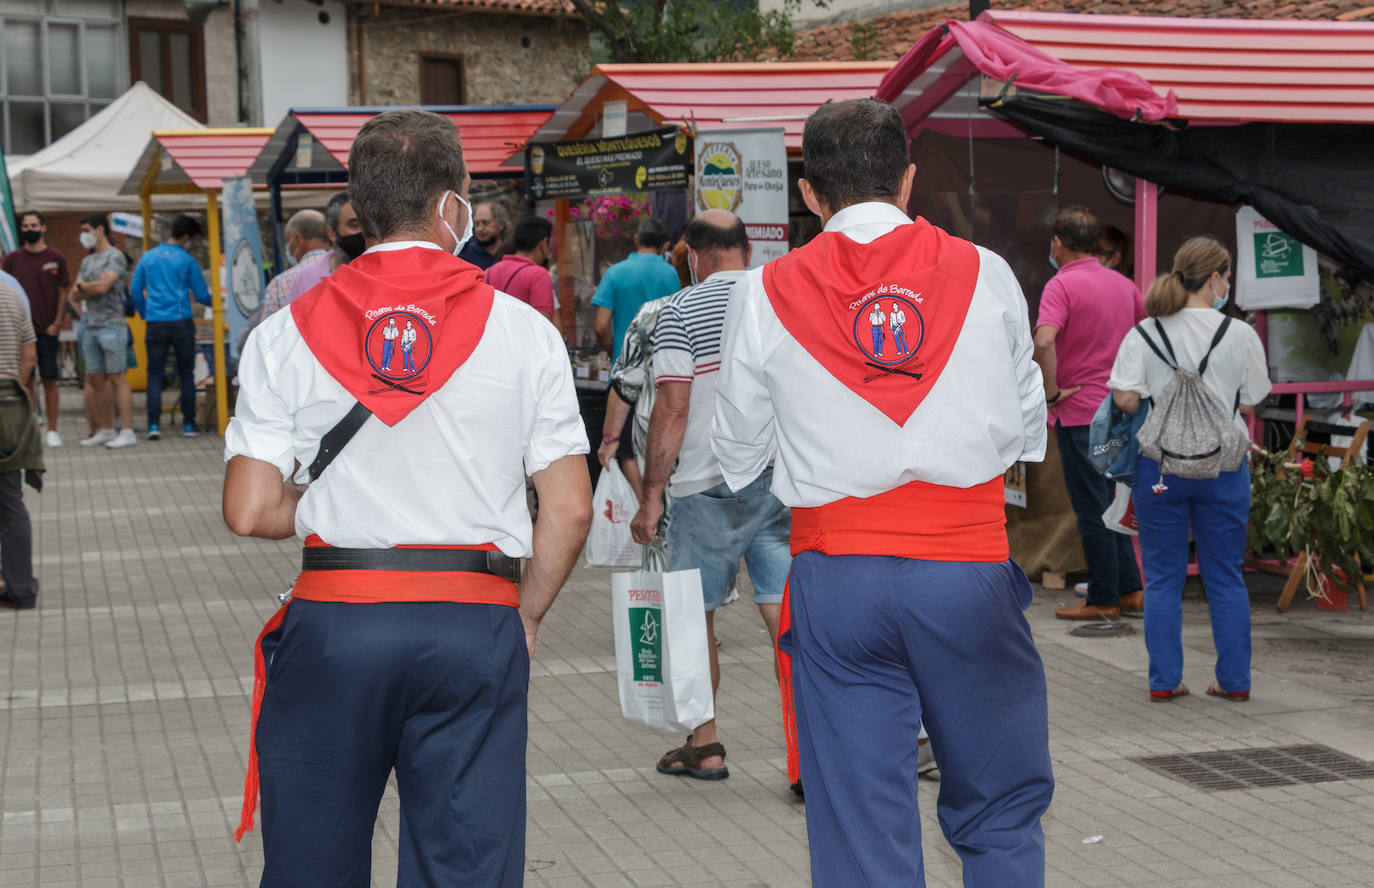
x,y
1265,766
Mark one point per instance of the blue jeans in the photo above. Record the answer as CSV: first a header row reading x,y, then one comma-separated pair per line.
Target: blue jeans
x,y
1112,570
1217,511
105,349
883,645
180,337
713,529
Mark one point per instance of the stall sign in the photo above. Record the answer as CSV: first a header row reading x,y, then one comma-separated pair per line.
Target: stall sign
x,y
652,161
1273,269
745,171
242,274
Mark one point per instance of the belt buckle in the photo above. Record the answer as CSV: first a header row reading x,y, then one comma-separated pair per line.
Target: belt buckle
x,y
502,565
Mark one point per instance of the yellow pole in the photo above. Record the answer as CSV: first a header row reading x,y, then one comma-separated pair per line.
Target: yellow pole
x,y
217,300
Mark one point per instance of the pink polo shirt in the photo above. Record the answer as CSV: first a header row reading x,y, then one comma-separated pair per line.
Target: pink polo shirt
x,y
1093,308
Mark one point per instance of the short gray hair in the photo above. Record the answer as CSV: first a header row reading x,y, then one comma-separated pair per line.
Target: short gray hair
x,y
498,212
309,224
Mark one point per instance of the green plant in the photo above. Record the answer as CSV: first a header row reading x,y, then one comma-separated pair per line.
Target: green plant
x,y
1308,506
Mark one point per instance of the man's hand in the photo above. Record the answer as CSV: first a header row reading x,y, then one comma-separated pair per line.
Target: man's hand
x,y
53,329
606,452
1067,391
645,524
531,625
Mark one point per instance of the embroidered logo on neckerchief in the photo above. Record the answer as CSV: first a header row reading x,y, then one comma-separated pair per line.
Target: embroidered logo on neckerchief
x,y
889,330
398,346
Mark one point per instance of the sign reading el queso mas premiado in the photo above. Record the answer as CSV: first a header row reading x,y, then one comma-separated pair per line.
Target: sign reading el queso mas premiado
x,y
652,161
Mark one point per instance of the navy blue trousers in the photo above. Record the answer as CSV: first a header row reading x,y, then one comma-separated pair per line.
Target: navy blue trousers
x,y
180,338
1112,571
881,644
436,691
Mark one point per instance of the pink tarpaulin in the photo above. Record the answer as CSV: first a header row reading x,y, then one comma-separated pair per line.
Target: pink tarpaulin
x,y
997,54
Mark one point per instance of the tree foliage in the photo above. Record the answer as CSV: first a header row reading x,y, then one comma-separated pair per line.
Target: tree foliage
x,y
690,30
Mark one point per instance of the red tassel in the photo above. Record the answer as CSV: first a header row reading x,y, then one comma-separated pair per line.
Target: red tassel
x,y
250,782
789,710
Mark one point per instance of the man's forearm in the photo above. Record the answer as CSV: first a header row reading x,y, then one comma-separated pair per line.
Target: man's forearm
x,y
557,542
1049,366
666,430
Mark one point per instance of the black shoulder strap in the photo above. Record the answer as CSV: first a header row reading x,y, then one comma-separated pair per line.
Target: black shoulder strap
x,y
335,439
1140,328
1221,331
1169,346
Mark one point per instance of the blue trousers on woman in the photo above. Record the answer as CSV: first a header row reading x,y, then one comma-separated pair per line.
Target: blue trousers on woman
x,y
882,644
1216,510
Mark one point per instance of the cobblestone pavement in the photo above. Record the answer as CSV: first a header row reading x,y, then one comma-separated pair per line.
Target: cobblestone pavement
x,y
124,716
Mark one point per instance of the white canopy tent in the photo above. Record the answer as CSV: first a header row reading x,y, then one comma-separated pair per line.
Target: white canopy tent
x,y
84,169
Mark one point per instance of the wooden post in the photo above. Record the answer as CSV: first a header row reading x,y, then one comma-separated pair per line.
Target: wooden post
x,y
217,301
1146,233
567,289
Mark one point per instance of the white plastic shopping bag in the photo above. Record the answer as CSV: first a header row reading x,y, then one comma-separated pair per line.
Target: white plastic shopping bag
x,y
610,543
661,656
1120,515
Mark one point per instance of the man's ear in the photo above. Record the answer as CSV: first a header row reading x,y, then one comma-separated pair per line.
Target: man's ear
x,y
810,198
904,190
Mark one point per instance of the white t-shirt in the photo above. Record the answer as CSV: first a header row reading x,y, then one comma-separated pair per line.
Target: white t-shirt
x,y
452,472
686,348
777,404
1237,365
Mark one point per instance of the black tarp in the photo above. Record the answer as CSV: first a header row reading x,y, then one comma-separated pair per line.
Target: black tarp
x,y
1314,181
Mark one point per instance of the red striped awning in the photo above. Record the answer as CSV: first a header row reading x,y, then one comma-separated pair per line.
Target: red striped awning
x,y
1221,70
196,158
715,95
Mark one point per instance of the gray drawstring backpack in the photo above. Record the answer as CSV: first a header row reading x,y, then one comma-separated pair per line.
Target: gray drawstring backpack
x,y
1189,431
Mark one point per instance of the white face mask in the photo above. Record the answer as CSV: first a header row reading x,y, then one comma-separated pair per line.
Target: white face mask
x,y
467,229
87,240
692,267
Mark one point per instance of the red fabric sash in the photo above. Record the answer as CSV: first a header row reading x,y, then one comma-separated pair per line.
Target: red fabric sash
x,y
363,587
393,326
917,520
881,317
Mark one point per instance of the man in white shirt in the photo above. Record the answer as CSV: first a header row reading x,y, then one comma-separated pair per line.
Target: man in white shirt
x,y
407,641
903,604
710,528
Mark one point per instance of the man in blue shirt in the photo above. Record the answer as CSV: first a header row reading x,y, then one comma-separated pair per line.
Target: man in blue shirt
x,y
627,285
162,280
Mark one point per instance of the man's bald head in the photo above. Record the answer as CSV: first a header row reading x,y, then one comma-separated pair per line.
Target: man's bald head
x,y
304,232
719,242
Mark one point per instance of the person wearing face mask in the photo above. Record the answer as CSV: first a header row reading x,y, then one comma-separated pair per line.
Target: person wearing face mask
x,y
1184,309
345,233
42,273
407,640
100,285
680,465
522,273
1085,312
306,239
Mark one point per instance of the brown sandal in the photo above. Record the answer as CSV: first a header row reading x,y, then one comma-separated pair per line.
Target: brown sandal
x,y
688,758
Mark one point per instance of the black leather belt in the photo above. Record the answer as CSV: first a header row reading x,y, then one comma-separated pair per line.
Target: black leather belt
x,y
418,560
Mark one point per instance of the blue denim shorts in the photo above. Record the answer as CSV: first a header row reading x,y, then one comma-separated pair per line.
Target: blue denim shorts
x,y
105,349
711,530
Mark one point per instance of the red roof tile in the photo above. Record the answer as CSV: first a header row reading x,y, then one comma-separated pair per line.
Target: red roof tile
x,y
889,36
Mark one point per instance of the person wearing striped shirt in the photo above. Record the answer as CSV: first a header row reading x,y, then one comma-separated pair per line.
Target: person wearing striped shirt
x,y
710,527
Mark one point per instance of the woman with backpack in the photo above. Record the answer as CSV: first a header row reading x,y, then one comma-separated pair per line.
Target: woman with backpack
x,y
1200,371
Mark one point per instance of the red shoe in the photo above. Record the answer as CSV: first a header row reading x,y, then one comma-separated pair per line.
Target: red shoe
x,y
1162,696
1214,690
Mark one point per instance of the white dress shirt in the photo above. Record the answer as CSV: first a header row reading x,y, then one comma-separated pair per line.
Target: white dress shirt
x,y
452,472
775,403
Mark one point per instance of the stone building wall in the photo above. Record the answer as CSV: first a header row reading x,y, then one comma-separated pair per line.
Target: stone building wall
x,y
506,59
221,64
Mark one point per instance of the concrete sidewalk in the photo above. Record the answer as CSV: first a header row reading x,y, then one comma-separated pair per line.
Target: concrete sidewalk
x,y
124,720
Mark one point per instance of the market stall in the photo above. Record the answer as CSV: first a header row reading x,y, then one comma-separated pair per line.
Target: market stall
x,y
1016,114
196,162
310,146
646,97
